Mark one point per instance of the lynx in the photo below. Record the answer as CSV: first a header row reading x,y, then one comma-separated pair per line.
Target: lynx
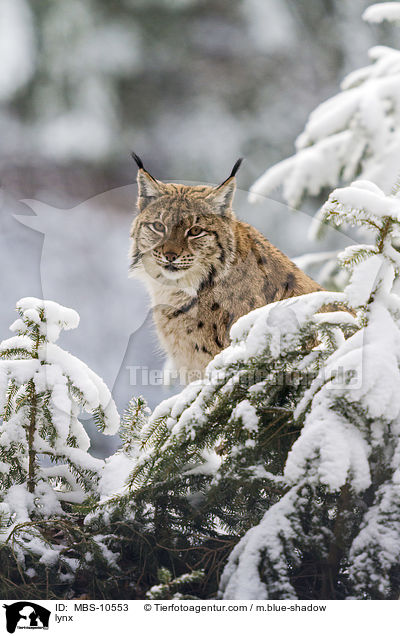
x,y
203,267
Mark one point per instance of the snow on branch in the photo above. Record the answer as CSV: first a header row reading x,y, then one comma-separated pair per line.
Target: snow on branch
x,y
356,132
339,521
43,390
382,11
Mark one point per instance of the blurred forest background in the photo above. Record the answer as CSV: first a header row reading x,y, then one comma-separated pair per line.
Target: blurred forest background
x,y
190,85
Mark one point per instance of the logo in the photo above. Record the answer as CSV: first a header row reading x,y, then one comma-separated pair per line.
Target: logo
x,y
26,615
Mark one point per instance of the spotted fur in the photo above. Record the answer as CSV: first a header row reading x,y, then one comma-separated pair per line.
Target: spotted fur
x,y
203,268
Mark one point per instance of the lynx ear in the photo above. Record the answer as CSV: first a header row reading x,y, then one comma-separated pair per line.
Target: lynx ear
x,y
149,188
222,196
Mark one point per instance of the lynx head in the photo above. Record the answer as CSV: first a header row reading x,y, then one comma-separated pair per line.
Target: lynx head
x,y
182,235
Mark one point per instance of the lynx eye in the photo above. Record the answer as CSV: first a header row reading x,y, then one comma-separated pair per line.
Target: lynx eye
x,y
196,230
157,226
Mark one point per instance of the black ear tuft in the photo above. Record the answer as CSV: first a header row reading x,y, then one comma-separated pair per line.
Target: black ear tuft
x,y
235,168
138,160
233,172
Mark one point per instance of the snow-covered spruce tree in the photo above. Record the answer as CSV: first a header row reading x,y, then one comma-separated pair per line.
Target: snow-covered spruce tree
x,y
336,531
235,427
44,464
169,588
356,133
208,463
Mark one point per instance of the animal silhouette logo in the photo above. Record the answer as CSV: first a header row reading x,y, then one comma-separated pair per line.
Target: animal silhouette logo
x,y
84,264
78,256
26,615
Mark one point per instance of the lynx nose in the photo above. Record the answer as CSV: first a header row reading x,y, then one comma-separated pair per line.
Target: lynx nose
x,y
171,256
